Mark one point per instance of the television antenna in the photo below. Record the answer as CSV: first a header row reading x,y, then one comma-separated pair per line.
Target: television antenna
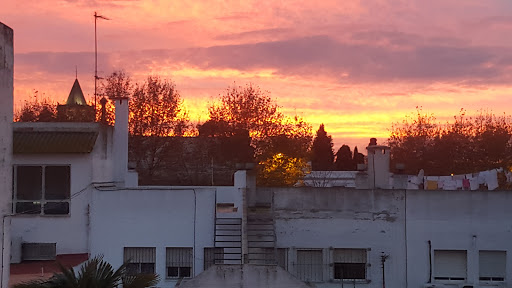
x,y
96,16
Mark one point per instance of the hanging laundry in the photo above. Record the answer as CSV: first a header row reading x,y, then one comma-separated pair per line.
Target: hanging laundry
x,y
473,183
431,185
491,179
465,184
412,186
450,185
482,177
442,180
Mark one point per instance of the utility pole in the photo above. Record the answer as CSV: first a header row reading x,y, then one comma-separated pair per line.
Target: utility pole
x,y
96,16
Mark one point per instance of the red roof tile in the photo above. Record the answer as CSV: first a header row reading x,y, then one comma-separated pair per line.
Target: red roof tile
x,y
51,266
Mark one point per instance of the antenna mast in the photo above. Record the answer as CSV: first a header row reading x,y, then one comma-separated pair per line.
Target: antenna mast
x,y
96,16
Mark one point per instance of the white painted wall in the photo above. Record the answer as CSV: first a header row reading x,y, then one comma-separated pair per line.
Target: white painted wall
x,y
102,155
378,166
121,141
457,220
70,232
153,217
6,103
340,218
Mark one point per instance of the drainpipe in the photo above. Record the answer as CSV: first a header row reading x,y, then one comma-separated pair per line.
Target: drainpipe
x,y
429,261
383,258
5,270
195,219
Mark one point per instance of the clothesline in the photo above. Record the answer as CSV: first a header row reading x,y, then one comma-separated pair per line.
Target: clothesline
x,y
471,181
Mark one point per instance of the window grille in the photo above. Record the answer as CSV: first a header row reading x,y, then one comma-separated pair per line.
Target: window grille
x,y
142,260
349,264
309,265
179,262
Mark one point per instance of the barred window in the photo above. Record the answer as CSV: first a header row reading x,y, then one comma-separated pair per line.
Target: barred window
x,y
309,265
349,264
179,262
141,260
42,189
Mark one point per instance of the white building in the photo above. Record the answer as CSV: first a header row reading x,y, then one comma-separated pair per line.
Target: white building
x,y
73,195
6,102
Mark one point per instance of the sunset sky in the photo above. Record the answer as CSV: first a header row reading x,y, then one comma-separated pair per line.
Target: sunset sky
x,y
356,66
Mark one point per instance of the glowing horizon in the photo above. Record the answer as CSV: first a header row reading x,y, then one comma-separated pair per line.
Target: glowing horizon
x,y
357,66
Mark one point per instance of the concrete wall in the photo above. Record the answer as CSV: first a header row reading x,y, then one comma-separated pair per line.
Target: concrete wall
x,y
57,229
399,223
87,170
328,218
154,217
6,103
457,220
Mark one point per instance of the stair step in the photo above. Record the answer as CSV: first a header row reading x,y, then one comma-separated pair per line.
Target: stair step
x,y
222,221
228,233
230,238
259,220
228,244
256,227
260,244
225,227
264,238
260,233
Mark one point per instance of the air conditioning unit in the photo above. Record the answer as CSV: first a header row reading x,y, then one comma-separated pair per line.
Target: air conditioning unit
x,y
16,249
38,251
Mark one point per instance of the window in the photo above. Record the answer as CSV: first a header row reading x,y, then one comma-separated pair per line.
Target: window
x,y
492,265
349,264
450,264
213,256
42,190
142,260
309,265
179,262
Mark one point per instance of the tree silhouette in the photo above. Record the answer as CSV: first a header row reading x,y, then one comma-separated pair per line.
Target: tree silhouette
x,y
322,157
344,160
248,108
253,110
37,111
466,145
156,114
358,157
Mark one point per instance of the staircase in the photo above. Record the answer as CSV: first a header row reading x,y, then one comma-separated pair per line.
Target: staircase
x,y
261,238
228,237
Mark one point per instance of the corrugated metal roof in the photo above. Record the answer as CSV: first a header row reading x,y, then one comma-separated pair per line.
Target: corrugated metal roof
x,y
32,142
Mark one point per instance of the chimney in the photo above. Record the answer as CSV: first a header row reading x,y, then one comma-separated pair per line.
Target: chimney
x,y
120,140
378,165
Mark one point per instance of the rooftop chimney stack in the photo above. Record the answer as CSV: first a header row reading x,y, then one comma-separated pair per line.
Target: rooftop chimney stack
x,y
121,139
378,165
